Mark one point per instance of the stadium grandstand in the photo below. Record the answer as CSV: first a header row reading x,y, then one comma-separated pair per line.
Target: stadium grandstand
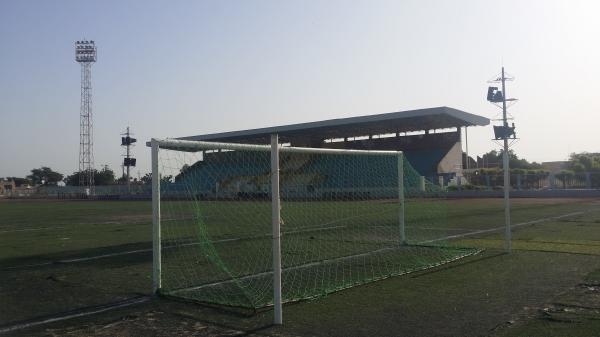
x,y
430,139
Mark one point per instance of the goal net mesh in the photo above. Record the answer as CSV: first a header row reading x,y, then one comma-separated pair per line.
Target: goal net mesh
x,y
339,224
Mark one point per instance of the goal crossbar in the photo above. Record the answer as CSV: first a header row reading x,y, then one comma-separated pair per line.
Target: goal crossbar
x,y
195,146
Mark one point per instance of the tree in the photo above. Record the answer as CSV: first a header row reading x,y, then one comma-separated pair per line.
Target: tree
x,y
147,178
514,162
106,176
531,174
44,176
182,173
584,162
72,179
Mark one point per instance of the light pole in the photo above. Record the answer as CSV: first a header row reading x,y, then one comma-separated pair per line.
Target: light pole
x,y
85,54
504,132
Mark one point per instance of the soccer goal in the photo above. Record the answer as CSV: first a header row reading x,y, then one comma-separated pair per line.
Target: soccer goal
x,y
254,226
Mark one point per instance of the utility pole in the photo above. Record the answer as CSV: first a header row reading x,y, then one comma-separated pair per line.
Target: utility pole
x,y
128,161
467,148
506,169
504,132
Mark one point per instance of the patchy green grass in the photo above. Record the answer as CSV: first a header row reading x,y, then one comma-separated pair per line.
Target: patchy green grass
x,y
473,296
476,296
38,231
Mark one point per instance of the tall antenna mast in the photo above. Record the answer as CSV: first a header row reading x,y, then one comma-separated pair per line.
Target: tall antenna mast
x,y
505,133
85,54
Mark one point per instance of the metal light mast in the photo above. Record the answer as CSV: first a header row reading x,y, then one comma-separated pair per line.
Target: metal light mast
x,y
85,54
504,132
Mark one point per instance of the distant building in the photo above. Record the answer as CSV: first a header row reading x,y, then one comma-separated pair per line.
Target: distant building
x,y
471,164
15,187
487,161
555,166
7,187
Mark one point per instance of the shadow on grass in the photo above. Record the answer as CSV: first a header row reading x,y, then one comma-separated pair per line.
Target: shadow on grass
x,y
154,317
70,314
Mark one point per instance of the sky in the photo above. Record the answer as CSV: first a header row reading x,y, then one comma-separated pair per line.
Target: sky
x,y
181,68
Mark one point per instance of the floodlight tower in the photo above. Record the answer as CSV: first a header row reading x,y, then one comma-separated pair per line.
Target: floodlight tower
x,y
85,54
505,133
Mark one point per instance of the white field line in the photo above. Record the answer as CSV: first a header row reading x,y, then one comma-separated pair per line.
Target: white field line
x,y
181,245
260,236
30,229
146,250
307,265
495,229
373,252
450,237
96,257
440,229
429,228
69,316
137,251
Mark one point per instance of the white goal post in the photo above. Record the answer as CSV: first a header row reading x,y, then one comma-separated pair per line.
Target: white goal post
x,y
274,149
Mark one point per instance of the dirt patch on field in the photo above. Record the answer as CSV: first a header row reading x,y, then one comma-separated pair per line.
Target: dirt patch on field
x,y
158,317
573,312
151,323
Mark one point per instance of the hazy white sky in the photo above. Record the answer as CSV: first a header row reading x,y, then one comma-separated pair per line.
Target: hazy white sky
x,y
179,68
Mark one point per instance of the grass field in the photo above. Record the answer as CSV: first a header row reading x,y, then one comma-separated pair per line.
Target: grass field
x,y
57,256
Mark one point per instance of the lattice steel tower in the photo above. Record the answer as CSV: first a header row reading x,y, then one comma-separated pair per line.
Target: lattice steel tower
x,y
85,54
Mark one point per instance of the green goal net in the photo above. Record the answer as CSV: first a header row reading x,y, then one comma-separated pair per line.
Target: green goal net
x,y
341,222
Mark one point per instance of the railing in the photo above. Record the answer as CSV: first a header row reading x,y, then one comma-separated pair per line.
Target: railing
x,y
542,181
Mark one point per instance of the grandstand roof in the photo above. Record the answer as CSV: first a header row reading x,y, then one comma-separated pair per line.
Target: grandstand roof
x,y
401,121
